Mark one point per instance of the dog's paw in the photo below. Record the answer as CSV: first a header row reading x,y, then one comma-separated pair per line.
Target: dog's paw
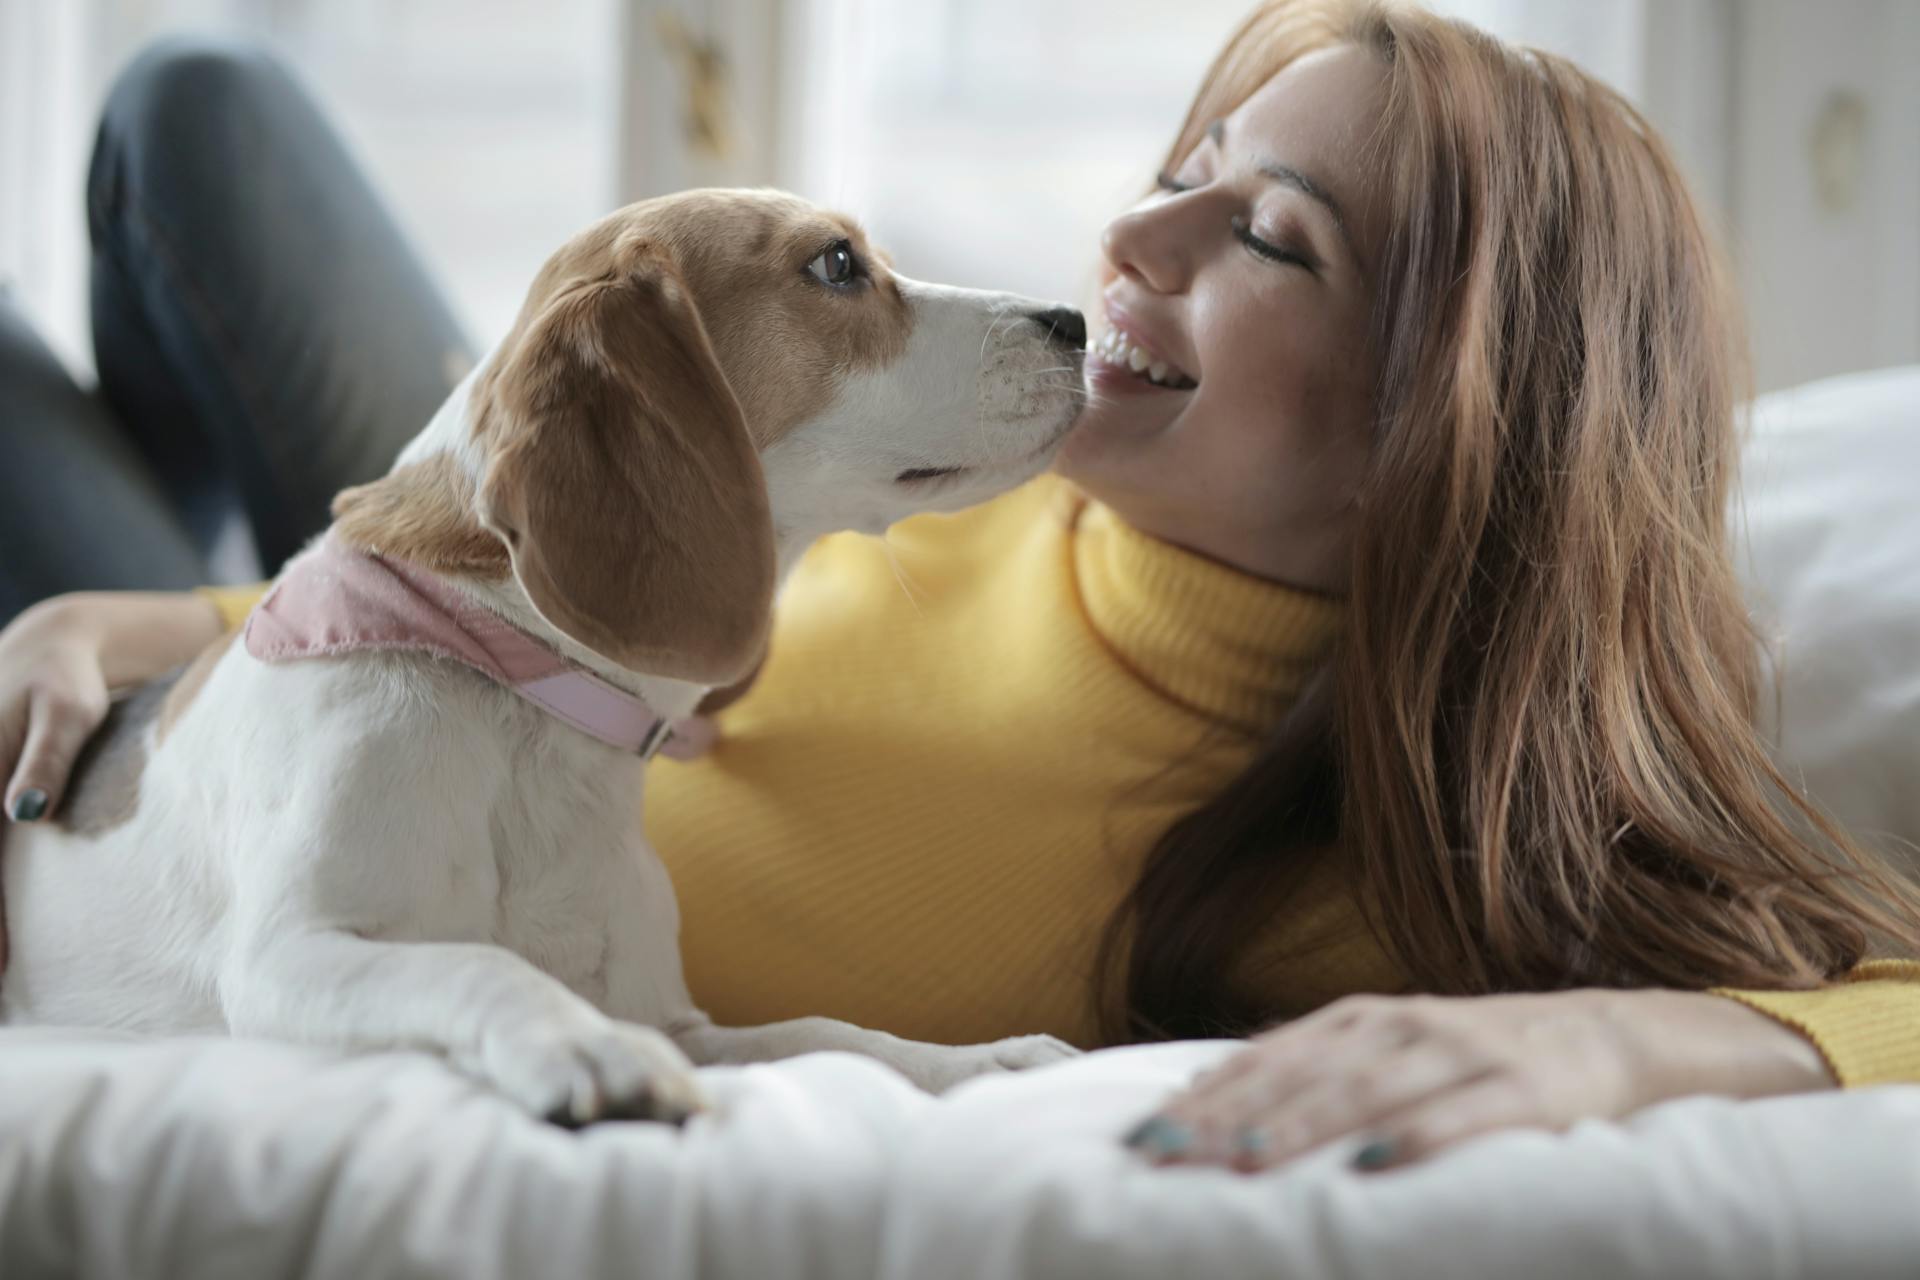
x,y
1015,1053
577,1072
1022,1053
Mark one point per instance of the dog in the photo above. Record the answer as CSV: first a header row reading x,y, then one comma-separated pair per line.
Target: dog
x,y
400,810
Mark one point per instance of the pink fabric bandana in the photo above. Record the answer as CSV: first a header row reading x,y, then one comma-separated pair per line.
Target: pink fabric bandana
x,y
336,600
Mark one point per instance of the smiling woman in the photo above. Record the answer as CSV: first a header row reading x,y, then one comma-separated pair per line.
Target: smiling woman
x,y
1244,277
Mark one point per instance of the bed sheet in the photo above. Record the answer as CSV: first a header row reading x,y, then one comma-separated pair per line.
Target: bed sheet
x,y
213,1158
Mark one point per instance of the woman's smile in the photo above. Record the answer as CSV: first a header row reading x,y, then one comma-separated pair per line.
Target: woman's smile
x,y
1122,357
1141,380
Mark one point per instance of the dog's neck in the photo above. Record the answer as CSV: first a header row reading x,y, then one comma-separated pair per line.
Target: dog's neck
x,y
450,432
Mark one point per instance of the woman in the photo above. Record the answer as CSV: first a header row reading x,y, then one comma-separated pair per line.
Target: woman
x,y
1382,681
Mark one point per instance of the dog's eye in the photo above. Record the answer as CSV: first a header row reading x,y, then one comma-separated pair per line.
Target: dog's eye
x,y
837,266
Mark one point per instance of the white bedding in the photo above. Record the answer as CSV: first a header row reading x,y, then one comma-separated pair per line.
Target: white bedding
x,y
210,1158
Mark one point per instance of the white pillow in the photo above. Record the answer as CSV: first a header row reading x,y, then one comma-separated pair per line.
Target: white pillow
x,y
1832,567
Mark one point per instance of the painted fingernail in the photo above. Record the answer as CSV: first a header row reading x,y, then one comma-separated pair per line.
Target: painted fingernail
x,y
1252,1142
1160,1136
31,806
1375,1155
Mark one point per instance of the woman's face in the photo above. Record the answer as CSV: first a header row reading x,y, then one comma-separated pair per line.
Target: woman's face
x,y
1246,283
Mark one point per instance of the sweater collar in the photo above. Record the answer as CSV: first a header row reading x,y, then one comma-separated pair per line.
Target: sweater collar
x,y
1229,646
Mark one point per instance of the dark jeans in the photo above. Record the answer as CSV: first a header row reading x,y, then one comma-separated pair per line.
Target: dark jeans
x,y
264,337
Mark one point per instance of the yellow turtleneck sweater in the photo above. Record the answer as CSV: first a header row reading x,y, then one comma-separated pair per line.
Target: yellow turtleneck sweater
x,y
965,740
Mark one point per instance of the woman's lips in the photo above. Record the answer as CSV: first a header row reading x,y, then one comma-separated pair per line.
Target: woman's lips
x,y
1131,352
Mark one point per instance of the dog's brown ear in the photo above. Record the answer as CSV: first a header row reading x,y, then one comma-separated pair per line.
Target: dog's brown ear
x,y
423,513
623,481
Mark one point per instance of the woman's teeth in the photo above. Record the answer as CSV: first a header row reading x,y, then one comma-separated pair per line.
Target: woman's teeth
x,y
1117,348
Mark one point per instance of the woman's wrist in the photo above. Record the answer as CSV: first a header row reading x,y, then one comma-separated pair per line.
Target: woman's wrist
x,y
1724,1047
136,636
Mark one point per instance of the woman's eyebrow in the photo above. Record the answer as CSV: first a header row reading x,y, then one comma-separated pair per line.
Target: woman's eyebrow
x,y
1288,176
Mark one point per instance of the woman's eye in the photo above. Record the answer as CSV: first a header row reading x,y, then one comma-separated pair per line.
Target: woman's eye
x,y
1243,231
1167,182
837,266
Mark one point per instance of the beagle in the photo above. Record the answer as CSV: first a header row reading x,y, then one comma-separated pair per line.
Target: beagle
x,y
400,811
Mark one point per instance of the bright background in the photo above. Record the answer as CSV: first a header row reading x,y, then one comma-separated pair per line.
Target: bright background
x,y
984,141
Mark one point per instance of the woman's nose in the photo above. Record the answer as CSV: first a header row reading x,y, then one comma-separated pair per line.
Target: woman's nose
x,y
1146,245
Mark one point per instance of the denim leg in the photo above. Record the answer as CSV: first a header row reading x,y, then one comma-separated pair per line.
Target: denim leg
x,y
79,510
259,320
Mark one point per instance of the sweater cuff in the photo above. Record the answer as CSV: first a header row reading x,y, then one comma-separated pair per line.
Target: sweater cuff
x,y
1866,1025
233,603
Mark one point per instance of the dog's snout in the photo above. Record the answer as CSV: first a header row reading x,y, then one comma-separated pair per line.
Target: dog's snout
x,y
1064,326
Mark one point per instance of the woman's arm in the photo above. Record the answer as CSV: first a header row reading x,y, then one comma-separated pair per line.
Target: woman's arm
x,y
1866,1025
58,663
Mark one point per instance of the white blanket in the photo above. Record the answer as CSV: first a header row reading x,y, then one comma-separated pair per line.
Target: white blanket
x,y
212,1158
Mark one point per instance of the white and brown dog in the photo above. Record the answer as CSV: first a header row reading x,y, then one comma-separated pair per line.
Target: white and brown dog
x,y
403,811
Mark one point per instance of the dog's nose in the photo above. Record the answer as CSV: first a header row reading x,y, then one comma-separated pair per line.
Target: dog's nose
x,y
1064,325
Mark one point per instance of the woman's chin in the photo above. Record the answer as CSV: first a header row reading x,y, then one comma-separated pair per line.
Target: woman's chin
x,y
1112,471
1082,444
1090,455
1107,435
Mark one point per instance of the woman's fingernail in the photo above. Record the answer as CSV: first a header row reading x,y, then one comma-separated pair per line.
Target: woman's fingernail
x,y
1375,1155
1251,1142
31,806
1160,1136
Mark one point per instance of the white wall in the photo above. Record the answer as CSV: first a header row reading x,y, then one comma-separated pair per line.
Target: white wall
x,y
1826,184
1799,123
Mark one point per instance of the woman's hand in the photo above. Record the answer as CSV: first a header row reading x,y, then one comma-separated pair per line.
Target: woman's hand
x,y
58,661
1413,1075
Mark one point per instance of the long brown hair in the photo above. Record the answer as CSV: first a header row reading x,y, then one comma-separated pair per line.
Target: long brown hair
x,y
1536,741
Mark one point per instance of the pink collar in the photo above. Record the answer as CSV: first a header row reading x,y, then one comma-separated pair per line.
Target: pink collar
x,y
336,600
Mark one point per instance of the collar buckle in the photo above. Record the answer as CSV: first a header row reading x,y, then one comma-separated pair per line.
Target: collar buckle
x,y
656,738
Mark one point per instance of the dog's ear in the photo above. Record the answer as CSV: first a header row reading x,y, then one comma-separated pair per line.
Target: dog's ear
x,y
623,481
423,513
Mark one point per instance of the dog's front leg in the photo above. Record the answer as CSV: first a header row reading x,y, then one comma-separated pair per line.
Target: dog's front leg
x,y
365,898
934,1067
488,1010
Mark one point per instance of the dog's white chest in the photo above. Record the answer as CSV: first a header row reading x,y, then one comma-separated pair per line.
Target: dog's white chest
x,y
551,906
569,867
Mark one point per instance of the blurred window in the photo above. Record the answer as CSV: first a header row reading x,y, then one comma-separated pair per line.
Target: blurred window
x,y
487,124
986,142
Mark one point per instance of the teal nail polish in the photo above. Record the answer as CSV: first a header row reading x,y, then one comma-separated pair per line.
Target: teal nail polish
x,y
1249,1141
31,806
1375,1155
1160,1136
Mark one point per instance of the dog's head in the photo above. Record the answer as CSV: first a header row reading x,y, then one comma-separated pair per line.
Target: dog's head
x,y
697,384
